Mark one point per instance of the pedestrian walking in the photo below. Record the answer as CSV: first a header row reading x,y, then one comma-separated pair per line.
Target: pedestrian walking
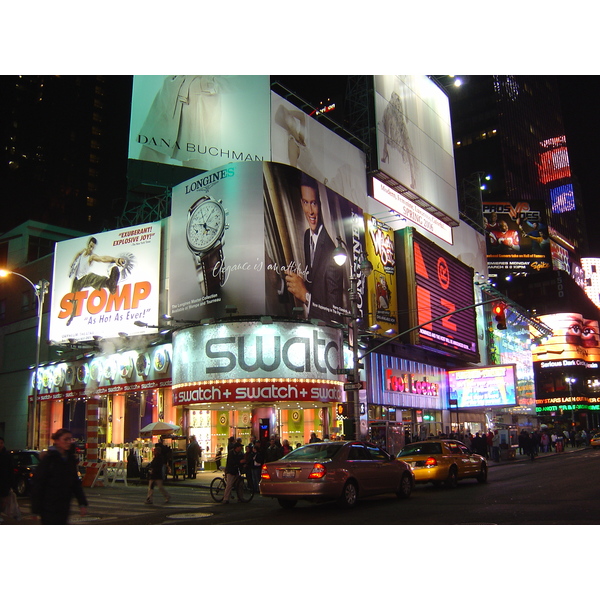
x,y
155,475
256,464
233,466
218,458
274,450
496,446
56,482
193,453
6,477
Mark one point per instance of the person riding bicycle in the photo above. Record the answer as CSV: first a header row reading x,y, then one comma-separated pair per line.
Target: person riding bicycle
x,y
235,461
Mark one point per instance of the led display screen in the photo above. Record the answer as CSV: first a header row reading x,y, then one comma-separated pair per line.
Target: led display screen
x,y
442,285
562,198
485,386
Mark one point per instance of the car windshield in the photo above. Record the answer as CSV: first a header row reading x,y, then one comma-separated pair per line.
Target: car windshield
x,y
426,448
314,452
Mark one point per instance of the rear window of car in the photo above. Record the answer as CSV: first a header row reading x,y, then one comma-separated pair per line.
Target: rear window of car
x,y
314,452
425,448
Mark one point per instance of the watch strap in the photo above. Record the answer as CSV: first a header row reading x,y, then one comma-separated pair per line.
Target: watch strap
x,y
209,272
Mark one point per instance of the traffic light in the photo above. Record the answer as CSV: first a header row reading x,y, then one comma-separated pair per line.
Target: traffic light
x,y
499,313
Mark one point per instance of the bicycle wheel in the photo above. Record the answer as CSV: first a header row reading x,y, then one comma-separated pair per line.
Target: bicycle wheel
x,y
244,492
217,489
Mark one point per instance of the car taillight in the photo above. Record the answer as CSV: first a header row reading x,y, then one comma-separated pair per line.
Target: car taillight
x,y
431,462
318,471
264,474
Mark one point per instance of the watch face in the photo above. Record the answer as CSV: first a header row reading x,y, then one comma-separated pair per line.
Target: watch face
x,y
205,225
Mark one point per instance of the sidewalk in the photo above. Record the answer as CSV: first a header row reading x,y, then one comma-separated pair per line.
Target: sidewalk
x,y
204,478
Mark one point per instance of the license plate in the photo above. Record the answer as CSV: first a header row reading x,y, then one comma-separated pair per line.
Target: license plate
x,y
288,474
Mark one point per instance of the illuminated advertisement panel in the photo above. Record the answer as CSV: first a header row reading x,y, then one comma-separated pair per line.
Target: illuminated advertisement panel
x,y
302,142
485,386
103,283
200,121
414,138
517,238
409,210
562,198
438,284
249,361
381,284
553,161
575,342
259,237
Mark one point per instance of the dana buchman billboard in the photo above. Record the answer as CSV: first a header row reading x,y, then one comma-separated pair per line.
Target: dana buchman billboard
x,y
485,386
104,282
414,138
259,237
200,121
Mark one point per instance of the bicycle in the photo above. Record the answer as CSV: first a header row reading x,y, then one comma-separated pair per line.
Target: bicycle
x,y
244,492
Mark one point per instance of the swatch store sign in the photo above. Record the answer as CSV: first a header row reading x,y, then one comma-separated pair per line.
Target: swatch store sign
x,y
252,362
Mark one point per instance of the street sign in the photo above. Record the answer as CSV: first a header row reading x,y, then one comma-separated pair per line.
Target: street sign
x,y
351,386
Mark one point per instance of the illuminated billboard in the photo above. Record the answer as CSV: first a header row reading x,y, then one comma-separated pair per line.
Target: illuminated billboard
x,y
553,161
103,283
435,284
259,237
484,386
517,238
562,198
575,342
200,121
382,304
249,361
414,138
302,142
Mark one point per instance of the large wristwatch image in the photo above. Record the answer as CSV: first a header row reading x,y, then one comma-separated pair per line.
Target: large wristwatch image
x,y
204,234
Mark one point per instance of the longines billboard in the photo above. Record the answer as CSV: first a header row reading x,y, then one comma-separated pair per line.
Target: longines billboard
x,y
259,237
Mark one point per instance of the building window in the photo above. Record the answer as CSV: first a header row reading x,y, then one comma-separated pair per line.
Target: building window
x,y
39,247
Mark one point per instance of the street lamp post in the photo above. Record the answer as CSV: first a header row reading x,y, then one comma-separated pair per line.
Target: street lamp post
x,y
340,256
571,381
40,290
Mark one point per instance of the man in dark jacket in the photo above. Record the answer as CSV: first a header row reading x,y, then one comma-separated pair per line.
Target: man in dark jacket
x,y
6,475
56,482
235,461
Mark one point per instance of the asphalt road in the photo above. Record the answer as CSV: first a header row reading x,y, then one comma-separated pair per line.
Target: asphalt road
x,y
562,489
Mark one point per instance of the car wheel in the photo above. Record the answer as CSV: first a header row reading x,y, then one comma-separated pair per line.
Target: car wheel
x,y
286,502
21,486
406,486
349,495
452,480
482,477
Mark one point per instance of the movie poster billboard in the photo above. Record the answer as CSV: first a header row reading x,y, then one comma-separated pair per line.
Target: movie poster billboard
x,y
517,238
200,121
381,284
104,282
258,239
414,138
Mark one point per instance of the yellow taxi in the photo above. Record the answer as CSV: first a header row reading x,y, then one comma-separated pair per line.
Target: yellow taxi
x,y
595,441
440,461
